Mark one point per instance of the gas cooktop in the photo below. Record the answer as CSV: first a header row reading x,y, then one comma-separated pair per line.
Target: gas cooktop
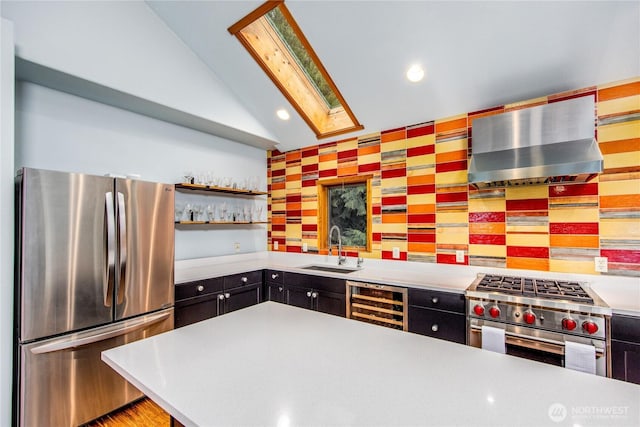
x,y
531,287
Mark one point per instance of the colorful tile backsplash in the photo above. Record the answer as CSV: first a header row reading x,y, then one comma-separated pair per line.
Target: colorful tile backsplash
x,y
422,203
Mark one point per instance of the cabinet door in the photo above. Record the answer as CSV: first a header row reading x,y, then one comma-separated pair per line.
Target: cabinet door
x,y
437,324
196,309
241,298
275,292
625,361
331,303
299,297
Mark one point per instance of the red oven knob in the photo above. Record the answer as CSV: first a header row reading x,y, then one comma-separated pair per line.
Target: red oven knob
x,y
569,324
494,311
529,317
589,327
479,309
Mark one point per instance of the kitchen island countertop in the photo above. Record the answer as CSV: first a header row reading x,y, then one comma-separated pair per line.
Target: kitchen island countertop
x,y
272,364
622,294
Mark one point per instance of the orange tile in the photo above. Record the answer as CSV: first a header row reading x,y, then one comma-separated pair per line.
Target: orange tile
x,y
278,186
621,91
393,136
460,123
451,156
570,241
453,189
293,155
348,171
309,212
629,201
622,146
294,177
528,263
327,157
294,206
421,179
278,220
372,149
418,209
397,218
422,247
487,228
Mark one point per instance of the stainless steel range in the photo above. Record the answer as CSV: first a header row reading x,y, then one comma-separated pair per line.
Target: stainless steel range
x,y
539,316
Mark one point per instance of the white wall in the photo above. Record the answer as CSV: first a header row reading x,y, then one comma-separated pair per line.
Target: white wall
x,y
123,45
55,130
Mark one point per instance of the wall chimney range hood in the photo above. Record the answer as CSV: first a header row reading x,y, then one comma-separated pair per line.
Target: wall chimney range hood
x,y
548,143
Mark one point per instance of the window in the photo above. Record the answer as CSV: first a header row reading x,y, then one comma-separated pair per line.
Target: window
x,y
345,202
275,41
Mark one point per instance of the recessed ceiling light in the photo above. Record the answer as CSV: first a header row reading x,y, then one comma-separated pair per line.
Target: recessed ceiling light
x,y
415,73
283,114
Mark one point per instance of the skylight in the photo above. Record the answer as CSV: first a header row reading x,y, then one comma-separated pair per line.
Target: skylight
x,y
275,41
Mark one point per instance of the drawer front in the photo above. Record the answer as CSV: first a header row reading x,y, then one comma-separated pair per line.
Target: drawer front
x,y
437,324
202,310
436,299
625,328
198,288
625,361
328,284
242,279
274,276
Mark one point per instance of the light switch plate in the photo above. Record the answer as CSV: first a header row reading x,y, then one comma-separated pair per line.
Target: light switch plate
x,y
396,253
459,256
236,246
275,245
305,247
602,264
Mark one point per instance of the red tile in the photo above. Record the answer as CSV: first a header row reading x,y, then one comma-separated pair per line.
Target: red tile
x,y
527,252
487,217
621,255
451,197
310,168
394,200
421,189
389,255
450,259
278,227
562,190
376,210
329,173
528,205
309,152
309,182
574,228
293,198
421,151
560,97
297,249
347,154
427,129
278,172
394,173
371,167
460,165
421,238
309,227
421,218
487,239
376,237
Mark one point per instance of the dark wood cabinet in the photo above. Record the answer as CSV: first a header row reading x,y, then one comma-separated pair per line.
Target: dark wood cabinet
x,y
325,294
625,348
204,299
437,314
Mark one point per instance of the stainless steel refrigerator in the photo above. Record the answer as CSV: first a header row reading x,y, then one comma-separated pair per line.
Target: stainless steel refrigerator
x,y
95,270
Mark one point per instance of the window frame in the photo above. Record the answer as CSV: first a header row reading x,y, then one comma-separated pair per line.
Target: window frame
x,y
325,122
323,186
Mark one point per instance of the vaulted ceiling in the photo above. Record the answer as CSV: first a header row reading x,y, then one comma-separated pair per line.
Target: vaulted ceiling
x,y
477,54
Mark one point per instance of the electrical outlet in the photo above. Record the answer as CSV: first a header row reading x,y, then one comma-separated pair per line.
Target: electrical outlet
x,y
459,256
236,246
305,247
396,253
601,264
275,245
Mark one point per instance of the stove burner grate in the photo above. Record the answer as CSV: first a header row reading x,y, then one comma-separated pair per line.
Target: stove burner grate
x,y
543,288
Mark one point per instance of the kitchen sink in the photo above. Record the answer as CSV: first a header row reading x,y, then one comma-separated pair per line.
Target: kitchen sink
x,y
329,268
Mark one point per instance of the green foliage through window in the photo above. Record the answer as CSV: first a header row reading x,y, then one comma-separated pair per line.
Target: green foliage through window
x,y
280,24
348,210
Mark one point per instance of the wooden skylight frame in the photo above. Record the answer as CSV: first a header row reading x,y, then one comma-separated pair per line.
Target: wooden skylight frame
x,y
269,50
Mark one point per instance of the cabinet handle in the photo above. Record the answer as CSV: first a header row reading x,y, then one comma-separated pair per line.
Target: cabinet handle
x,y
220,297
227,295
314,295
200,288
280,288
434,300
434,328
244,280
309,293
274,276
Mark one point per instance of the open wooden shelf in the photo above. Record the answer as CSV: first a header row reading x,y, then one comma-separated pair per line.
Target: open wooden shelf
x,y
212,189
220,222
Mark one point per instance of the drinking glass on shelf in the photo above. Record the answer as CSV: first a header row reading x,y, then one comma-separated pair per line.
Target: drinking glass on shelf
x,y
211,212
223,211
226,182
188,176
258,213
187,211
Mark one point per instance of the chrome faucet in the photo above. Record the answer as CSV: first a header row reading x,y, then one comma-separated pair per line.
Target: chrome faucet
x,y
341,259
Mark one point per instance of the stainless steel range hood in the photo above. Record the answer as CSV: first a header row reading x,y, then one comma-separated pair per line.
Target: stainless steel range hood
x,y
548,143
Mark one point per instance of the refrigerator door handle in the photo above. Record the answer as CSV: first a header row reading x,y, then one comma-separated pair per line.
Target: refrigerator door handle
x,y
122,238
109,216
78,340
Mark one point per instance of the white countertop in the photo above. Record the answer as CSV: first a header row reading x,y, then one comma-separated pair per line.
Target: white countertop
x,y
622,294
273,364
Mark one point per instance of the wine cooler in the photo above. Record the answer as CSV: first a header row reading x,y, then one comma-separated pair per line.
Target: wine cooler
x,y
379,304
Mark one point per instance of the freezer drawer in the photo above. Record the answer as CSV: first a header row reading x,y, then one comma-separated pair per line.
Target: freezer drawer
x,y
65,383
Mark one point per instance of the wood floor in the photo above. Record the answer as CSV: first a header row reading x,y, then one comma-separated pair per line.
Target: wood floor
x,y
142,413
